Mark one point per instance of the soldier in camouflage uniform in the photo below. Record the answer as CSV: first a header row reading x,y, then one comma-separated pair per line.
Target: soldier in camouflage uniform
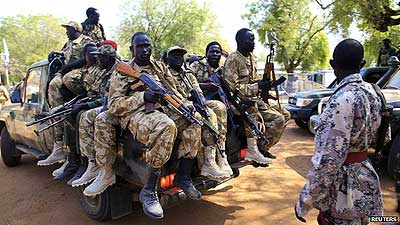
x,y
342,183
72,51
91,26
185,81
96,85
156,130
240,71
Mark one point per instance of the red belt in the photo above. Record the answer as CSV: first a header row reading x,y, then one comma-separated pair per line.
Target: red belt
x,y
356,157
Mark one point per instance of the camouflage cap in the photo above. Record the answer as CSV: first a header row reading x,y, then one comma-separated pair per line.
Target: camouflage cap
x,y
77,26
176,48
105,50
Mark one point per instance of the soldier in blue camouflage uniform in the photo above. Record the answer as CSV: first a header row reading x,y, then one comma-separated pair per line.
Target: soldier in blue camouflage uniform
x,y
342,183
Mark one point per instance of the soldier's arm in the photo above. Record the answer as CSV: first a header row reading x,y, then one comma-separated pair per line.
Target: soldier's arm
x,y
331,147
236,76
195,83
119,103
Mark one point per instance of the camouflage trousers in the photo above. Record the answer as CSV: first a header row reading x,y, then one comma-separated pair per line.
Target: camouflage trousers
x,y
56,99
270,121
189,135
105,138
73,81
218,119
86,132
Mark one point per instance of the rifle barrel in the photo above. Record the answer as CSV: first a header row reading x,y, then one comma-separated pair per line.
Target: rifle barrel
x,y
48,117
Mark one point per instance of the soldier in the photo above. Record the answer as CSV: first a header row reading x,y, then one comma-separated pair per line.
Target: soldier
x,y
92,27
241,74
341,182
385,52
95,86
156,130
72,51
185,81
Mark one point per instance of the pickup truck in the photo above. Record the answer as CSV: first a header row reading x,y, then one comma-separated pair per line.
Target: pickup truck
x,y
303,105
29,99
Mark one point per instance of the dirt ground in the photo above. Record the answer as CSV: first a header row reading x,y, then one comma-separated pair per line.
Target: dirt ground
x,y
28,195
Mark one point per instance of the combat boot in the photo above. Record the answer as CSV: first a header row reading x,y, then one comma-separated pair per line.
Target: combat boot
x,y
222,161
184,181
59,171
149,198
81,170
90,174
56,156
253,154
210,168
104,179
70,169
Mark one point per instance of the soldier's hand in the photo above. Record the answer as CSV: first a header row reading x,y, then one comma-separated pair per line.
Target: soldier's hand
x,y
210,86
264,84
76,108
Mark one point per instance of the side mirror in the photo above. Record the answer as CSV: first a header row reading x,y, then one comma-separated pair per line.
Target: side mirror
x,y
16,96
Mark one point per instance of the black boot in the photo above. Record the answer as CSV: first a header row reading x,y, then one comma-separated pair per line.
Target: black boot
x,y
149,198
184,180
72,167
268,154
81,170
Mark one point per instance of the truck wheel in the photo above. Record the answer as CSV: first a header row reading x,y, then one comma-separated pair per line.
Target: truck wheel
x,y
97,207
310,127
11,157
301,123
393,158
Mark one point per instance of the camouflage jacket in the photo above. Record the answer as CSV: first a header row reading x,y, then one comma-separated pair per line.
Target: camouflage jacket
x,y
95,32
181,87
349,123
73,49
123,101
241,73
202,71
96,81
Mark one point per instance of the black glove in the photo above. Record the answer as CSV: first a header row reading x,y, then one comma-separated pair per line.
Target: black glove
x,y
298,217
151,97
54,54
76,108
264,84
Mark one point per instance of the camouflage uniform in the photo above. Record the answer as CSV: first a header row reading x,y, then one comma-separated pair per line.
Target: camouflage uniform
x,y
214,107
72,50
201,74
94,31
347,192
155,130
241,74
105,138
96,84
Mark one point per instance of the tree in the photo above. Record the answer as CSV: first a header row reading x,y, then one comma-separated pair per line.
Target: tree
x,y
30,39
301,40
168,23
378,15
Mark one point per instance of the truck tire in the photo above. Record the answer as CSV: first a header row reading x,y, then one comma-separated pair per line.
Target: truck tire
x,y
98,207
301,123
393,159
11,157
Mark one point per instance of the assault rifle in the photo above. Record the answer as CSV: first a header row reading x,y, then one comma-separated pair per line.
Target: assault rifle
x,y
269,74
168,96
241,105
201,108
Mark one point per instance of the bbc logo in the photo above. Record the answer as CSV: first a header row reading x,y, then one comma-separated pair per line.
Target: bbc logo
x,y
383,219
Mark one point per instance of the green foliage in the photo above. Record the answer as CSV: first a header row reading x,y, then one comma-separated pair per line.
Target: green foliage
x,y
300,35
168,23
30,39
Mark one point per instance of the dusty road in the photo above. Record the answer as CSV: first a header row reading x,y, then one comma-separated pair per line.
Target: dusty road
x,y
28,195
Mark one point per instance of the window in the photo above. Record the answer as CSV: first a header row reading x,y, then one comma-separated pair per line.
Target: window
x,y
33,85
394,82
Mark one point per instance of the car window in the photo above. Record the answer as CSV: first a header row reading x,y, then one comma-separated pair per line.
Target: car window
x,y
33,85
373,77
394,82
